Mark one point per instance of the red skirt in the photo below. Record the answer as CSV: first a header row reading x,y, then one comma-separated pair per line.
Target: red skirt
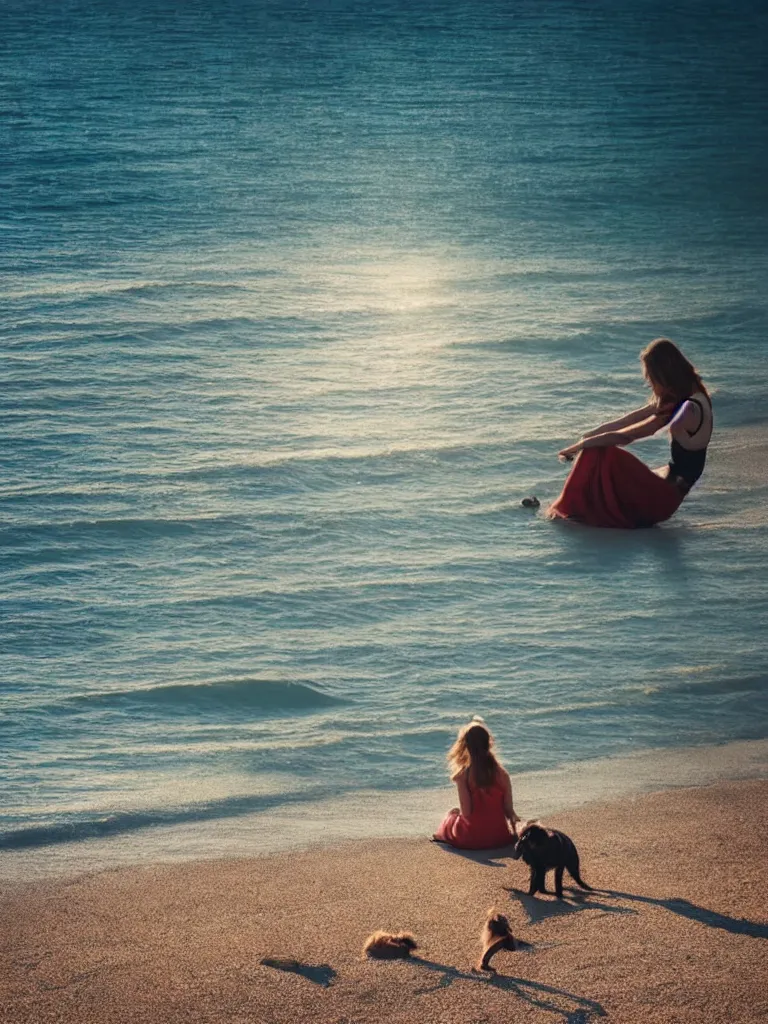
x,y
610,487
485,829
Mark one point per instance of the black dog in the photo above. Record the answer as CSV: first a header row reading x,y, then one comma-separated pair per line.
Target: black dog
x,y
543,849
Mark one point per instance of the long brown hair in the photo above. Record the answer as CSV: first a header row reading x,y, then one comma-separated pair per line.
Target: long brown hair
x,y
473,751
671,376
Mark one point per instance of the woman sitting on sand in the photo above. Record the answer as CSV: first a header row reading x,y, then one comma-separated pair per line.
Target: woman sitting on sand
x,y
482,819
610,487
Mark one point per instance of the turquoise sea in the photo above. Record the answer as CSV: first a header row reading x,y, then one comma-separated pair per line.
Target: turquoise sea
x,y
299,300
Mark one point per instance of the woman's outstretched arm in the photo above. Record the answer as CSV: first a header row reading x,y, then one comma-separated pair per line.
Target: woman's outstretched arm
x,y
624,421
627,435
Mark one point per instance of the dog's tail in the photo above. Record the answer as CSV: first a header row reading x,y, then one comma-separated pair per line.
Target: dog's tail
x,y
573,869
491,949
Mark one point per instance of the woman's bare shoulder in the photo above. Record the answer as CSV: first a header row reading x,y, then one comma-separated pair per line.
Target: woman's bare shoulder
x,y
459,775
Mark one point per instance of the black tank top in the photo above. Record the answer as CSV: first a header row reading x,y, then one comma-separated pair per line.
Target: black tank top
x,y
686,463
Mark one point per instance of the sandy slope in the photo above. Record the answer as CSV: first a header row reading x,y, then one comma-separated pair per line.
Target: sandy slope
x,y
678,932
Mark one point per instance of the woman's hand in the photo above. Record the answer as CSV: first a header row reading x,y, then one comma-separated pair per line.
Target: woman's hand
x,y
568,454
608,439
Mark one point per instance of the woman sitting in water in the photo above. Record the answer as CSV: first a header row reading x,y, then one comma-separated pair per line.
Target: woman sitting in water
x,y
610,487
482,819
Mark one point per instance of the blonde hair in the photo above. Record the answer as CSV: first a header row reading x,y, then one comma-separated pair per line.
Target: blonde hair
x,y
473,752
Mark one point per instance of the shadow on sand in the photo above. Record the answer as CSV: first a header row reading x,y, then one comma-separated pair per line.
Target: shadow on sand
x,y
711,918
540,909
490,858
318,974
572,1009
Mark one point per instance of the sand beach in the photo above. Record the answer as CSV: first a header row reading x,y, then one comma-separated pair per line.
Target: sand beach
x,y
675,930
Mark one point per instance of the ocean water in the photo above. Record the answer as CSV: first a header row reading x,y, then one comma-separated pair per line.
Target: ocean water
x,y
299,301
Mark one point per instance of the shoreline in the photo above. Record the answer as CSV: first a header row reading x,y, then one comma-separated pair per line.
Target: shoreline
x,y
673,932
385,815
159,813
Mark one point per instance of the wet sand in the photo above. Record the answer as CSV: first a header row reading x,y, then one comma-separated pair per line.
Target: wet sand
x,y
676,932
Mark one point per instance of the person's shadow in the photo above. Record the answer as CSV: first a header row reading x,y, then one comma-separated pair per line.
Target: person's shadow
x,y
490,858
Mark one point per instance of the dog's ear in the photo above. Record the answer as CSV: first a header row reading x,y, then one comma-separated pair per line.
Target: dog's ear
x,y
536,834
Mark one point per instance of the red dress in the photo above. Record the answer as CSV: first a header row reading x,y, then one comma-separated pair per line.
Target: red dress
x,y
610,487
486,827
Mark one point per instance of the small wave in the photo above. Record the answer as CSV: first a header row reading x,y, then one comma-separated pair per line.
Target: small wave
x,y
691,670
720,684
227,695
531,339
101,826
121,528
388,462
566,709
79,290
149,289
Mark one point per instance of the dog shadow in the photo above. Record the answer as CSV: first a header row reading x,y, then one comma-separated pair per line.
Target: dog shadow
x,y
318,974
684,908
539,910
571,1008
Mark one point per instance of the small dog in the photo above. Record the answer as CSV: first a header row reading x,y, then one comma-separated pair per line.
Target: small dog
x,y
495,935
543,849
386,946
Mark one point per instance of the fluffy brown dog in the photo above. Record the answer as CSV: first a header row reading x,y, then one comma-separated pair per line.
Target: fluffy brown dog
x,y
386,946
496,935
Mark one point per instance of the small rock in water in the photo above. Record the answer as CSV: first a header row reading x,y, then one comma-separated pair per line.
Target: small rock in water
x,y
532,502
